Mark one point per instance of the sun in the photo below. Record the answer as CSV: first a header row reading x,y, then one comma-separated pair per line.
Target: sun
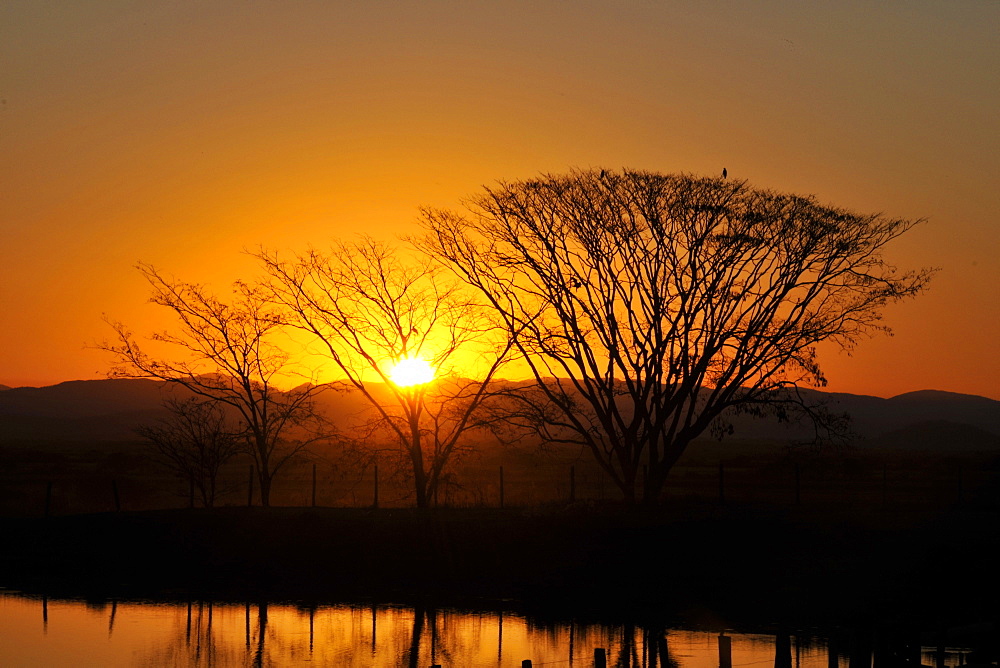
x,y
411,371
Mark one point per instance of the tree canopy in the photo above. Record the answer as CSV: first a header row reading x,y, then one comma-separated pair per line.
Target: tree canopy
x,y
371,309
648,306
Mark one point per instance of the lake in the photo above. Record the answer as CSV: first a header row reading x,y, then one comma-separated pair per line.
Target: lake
x,y
36,631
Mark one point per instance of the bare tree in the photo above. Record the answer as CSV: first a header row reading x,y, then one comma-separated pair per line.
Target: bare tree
x,y
649,306
227,354
370,310
194,442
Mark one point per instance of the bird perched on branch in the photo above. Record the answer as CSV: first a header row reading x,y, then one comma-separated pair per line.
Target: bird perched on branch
x,y
724,173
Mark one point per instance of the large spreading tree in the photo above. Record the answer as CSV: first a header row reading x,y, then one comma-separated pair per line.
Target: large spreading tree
x,y
650,306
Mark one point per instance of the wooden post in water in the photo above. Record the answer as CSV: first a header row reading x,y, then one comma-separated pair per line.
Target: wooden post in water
x,y
48,498
833,651
501,487
600,658
782,650
114,490
526,663
250,487
725,651
314,487
375,496
572,484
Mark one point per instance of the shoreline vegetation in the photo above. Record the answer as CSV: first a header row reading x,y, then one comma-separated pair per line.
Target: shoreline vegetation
x,y
730,564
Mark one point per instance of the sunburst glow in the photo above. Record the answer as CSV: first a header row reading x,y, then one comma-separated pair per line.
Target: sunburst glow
x,y
411,371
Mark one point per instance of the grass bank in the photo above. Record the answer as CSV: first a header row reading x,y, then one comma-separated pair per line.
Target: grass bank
x,y
826,566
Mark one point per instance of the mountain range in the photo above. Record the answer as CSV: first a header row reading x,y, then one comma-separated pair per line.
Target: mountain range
x,y
109,410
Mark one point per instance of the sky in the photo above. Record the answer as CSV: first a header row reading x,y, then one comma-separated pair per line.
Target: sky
x,y
181,133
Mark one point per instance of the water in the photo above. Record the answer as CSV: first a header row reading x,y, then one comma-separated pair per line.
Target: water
x,y
46,632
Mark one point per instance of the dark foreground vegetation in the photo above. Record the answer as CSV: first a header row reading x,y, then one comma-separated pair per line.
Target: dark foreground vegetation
x,y
725,564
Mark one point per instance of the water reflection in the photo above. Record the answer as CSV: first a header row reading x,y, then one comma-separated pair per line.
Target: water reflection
x,y
43,631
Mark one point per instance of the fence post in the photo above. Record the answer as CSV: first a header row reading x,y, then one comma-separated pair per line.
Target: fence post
x,y
885,483
572,484
725,651
798,485
526,663
114,490
191,493
375,496
501,487
314,487
600,658
250,487
722,483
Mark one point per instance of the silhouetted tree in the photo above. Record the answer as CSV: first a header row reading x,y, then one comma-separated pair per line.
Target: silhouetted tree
x,y
227,355
194,442
370,309
650,306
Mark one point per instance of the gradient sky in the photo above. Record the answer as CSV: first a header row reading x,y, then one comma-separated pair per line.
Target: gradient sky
x,y
180,133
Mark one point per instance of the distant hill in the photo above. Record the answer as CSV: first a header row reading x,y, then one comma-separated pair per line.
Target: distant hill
x,y
109,410
4,387
872,417
83,398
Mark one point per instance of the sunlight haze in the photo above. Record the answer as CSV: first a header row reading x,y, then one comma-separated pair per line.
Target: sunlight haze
x,y
180,134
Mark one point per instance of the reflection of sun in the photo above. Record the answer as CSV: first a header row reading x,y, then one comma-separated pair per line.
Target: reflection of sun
x,y
411,371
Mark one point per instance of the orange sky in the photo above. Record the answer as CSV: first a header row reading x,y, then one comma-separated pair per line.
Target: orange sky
x,y
180,133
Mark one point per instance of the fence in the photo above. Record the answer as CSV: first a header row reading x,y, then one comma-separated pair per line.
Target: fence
x,y
54,488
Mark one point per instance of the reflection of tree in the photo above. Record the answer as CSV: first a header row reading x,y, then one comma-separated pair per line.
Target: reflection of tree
x,y
258,655
412,655
194,639
203,633
649,306
370,309
659,650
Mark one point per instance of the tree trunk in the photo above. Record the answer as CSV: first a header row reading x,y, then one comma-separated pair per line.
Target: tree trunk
x,y
265,479
419,476
417,457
